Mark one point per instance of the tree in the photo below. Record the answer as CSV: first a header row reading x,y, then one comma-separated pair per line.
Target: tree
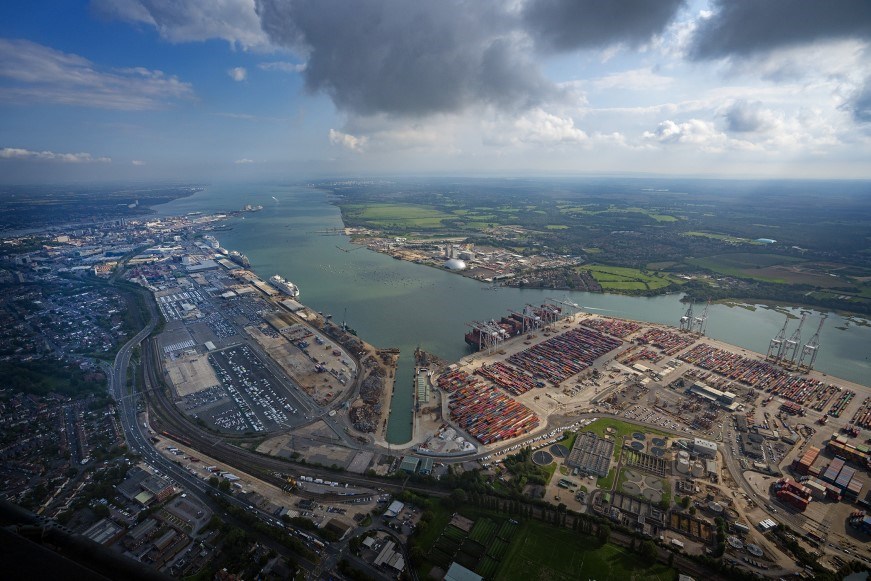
x,y
603,534
648,550
224,486
459,496
685,502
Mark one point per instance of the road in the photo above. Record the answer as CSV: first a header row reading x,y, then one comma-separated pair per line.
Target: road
x,y
138,442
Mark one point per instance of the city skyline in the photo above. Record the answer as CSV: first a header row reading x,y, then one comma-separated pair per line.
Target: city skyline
x,y
142,89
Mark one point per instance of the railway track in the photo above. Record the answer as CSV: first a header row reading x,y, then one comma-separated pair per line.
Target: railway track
x,y
166,417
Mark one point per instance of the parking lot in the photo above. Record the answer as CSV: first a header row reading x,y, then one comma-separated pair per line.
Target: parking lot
x,y
253,400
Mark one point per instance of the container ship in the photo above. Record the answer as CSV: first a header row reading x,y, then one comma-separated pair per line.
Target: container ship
x,y
512,325
285,286
239,258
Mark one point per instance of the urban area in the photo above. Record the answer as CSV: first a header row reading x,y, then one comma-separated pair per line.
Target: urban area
x,y
177,409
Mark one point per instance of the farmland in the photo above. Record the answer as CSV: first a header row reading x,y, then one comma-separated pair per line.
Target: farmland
x,y
622,278
702,237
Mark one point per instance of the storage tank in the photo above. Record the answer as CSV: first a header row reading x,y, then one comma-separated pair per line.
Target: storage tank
x,y
715,507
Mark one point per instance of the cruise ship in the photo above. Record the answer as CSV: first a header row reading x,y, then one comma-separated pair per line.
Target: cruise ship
x,y
239,258
285,286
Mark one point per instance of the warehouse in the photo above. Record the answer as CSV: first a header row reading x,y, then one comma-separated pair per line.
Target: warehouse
x,y
704,448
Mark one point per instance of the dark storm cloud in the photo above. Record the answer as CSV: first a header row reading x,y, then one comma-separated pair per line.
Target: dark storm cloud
x,y
408,58
860,105
743,27
572,24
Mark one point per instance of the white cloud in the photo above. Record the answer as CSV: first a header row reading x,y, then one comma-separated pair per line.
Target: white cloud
x,y
243,161
693,132
26,154
537,127
38,73
238,74
138,162
283,66
348,141
235,21
634,80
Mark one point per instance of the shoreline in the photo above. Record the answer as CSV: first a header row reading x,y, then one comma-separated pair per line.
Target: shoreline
x,y
737,300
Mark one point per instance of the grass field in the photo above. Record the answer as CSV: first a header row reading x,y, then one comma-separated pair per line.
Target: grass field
x,y
742,264
541,552
583,211
397,215
620,429
724,238
606,483
622,278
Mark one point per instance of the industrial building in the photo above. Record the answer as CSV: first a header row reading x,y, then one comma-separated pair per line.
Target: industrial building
x,y
104,532
409,464
704,448
591,454
751,445
390,557
725,399
394,509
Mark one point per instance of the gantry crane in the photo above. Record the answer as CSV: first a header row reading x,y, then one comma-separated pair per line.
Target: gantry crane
x,y
686,322
775,346
699,323
811,347
790,347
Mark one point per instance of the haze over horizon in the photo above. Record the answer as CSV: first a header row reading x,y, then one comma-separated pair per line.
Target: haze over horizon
x,y
259,89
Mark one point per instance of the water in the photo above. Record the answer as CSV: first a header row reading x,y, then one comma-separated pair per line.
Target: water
x,y
391,303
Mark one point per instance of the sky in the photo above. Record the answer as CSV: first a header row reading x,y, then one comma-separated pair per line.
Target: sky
x,y
241,89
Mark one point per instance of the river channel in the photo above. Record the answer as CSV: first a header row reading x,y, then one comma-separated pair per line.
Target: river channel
x,y
391,303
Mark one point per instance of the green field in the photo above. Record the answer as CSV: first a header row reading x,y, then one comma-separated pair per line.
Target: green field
x,y
743,264
620,429
546,553
606,483
622,278
724,238
583,211
396,215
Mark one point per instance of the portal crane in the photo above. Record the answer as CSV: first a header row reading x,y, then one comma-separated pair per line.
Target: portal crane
x,y
790,347
572,309
699,323
686,322
533,314
812,347
530,322
775,346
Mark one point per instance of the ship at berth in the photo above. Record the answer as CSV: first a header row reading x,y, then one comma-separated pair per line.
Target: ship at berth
x,y
239,258
285,286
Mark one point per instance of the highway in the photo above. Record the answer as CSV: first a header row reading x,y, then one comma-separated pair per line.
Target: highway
x,y
138,442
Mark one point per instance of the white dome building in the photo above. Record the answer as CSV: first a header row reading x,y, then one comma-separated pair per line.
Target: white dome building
x,y
455,264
